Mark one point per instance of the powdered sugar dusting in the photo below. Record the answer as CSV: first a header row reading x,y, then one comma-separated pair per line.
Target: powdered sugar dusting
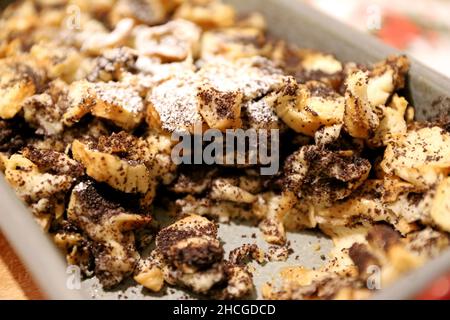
x,y
114,94
176,102
80,187
260,112
255,76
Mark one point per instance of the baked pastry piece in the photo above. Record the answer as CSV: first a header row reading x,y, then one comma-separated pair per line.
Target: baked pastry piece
x,y
118,160
212,95
232,43
45,111
323,176
150,12
421,157
306,108
22,77
109,100
189,253
111,227
172,105
307,64
173,41
41,178
126,163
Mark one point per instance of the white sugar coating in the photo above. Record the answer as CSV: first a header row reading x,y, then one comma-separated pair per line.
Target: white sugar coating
x,y
260,112
114,93
255,76
80,187
153,72
176,102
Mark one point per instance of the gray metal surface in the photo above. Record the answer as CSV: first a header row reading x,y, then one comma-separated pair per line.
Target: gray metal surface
x,y
309,251
296,23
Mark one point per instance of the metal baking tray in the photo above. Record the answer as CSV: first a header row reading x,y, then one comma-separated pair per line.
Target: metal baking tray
x,y
297,23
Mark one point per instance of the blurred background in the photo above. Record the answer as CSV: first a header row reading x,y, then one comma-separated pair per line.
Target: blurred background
x,y
419,27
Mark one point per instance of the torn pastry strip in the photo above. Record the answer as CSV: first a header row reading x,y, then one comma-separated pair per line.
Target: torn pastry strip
x,y
173,41
21,77
115,102
18,18
255,76
162,71
190,244
360,118
59,62
220,110
93,42
261,114
39,184
188,232
307,65
367,92
224,189
62,142
189,253
53,162
118,160
113,63
273,209
414,206
386,253
108,100
111,228
193,181
421,156
80,102
149,272
31,179
306,108
385,78
215,92
392,122
427,242
160,163
45,111
75,245
221,198
440,211
232,43
318,61
172,106
247,251
151,72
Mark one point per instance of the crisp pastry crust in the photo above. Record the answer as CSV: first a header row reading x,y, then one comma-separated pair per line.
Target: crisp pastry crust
x,y
22,77
110,226
173,41
88,105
